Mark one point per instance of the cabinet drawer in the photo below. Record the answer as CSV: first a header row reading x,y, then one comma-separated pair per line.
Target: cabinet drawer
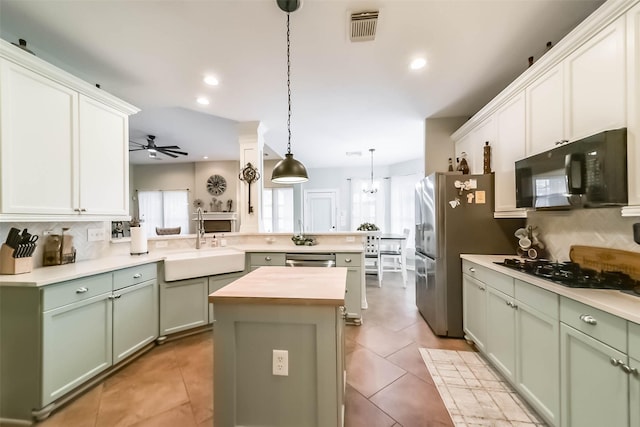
x,y
496,280
266,258
348,260
605,327
134,275
542,300
76,290
634,340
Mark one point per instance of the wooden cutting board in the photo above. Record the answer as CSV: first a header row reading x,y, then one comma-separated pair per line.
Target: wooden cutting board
x,y
607,259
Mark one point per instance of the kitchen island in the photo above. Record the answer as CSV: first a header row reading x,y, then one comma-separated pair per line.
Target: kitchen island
x,y
296,310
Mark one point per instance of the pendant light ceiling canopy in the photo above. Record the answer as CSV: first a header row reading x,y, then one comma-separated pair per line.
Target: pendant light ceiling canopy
x,y
289,170
371,189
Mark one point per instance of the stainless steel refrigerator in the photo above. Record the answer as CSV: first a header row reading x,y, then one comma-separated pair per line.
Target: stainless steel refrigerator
x,y
454,215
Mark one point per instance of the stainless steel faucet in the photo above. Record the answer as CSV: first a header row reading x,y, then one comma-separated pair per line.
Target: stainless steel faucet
x,y
200,232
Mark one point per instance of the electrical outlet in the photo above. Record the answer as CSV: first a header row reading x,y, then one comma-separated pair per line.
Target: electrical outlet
x,y
162,244
95,234
281,362
351,239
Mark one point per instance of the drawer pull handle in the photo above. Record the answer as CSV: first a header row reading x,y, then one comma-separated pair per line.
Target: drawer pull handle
x,y
347,260
589,319
267,258
82,290
482,288
114,296
471,269
629,370
137,275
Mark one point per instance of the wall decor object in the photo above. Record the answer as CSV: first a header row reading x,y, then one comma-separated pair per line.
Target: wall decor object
x,y
249,174
216,185
197,203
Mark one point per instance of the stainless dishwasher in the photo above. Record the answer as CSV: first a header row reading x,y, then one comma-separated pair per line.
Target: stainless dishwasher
x,y
310,260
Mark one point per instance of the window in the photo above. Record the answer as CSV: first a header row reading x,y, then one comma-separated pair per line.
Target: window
x,y
367,207
164,209
402,205
277,210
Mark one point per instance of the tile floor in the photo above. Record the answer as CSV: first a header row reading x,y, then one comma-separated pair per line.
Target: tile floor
x,y
388,384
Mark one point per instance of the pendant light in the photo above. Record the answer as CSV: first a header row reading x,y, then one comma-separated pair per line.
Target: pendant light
x,y
372,189
289,170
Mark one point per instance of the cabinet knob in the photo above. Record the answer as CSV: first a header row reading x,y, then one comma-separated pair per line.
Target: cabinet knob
x,y
137,275
76,210
347,260
482,288
471,269
615,362
589,319
82,290
83,210
628,369
267,258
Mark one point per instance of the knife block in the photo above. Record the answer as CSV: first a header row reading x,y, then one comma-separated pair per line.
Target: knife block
x,y
11,265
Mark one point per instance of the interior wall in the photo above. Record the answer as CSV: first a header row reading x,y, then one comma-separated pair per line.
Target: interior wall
x,y
229,170
439,146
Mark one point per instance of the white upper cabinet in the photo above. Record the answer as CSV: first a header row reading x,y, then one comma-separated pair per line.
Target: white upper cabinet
x,y
596,89
104,159
63,144
509,146
473,144
545,111
38,142
633,113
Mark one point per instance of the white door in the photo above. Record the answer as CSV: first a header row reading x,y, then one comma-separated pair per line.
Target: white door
x,y
320,211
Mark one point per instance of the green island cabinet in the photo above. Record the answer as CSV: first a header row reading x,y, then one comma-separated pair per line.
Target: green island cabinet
x,y
248,329
515,325
56,338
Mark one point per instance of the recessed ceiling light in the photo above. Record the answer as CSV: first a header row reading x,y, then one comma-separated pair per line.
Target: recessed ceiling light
x,y
418,63
202,100
353,153
205,157
211,81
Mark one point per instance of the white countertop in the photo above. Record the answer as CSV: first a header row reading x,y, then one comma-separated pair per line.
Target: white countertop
x,y
43,276
615,302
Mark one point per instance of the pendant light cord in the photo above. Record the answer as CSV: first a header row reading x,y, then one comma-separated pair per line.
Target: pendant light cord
x,y
288,85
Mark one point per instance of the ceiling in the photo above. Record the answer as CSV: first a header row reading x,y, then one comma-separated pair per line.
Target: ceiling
x,y
346,96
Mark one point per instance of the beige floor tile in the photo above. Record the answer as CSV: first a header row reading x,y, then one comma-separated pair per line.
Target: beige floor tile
x,y
382,341
179,416
368,373
360,412
81,412
409,359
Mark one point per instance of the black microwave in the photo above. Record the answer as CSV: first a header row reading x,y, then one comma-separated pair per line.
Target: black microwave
x,y
589,172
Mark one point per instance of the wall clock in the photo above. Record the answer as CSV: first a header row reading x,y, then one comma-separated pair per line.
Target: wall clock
x,y
216,185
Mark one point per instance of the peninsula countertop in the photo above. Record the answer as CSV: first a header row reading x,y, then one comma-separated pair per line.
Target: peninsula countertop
x,y
285,285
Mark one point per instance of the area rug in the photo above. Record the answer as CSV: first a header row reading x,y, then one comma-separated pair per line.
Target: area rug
x,y
474,393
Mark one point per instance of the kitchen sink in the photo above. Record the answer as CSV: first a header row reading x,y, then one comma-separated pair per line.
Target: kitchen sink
x,y
202,262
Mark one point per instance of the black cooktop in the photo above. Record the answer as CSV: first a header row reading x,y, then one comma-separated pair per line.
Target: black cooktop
x,y
570,274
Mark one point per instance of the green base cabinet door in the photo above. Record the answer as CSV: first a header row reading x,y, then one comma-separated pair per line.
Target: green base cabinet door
x,y
183,305
594,390
135,318
474,310
501,336
76,345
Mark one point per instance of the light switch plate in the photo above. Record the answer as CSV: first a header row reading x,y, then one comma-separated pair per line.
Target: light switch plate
x,y
95,234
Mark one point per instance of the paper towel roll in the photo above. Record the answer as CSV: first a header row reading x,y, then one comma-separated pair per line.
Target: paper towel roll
x,y
138,241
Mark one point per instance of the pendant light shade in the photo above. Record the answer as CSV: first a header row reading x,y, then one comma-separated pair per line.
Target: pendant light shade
x,y
371,189
289,170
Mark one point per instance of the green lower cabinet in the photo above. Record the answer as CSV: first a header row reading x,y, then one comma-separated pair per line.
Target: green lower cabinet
x,y
474,310
135,318
220,281
594,388
501,330
76,345
634,393
538,362
352,296
183,305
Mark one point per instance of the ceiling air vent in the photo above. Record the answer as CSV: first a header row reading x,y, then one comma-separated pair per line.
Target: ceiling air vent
x,y
363,26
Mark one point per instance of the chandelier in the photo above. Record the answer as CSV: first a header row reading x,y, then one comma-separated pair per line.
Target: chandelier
x,y
371,189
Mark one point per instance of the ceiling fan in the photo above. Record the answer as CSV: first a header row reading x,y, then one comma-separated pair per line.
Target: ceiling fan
x,y
169,150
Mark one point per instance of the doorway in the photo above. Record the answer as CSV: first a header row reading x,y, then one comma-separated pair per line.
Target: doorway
x,y
320,210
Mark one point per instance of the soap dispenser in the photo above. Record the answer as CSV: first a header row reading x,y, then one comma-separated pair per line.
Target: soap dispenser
x,y
214,241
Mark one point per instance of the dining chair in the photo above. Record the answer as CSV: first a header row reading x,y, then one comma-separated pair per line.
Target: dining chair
x,y
372,256
394,253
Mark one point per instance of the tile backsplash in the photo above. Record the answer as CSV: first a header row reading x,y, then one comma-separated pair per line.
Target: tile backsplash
x,y
603,227
85,250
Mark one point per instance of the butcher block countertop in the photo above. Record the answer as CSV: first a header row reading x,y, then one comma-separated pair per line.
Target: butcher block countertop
x,y
286,285
615,302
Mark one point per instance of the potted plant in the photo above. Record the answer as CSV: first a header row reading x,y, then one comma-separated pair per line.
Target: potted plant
x,y
367,226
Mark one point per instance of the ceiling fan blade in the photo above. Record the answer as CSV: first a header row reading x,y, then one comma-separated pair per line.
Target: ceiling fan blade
x,y
137,149
137,143
171,147
167,153
174,152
